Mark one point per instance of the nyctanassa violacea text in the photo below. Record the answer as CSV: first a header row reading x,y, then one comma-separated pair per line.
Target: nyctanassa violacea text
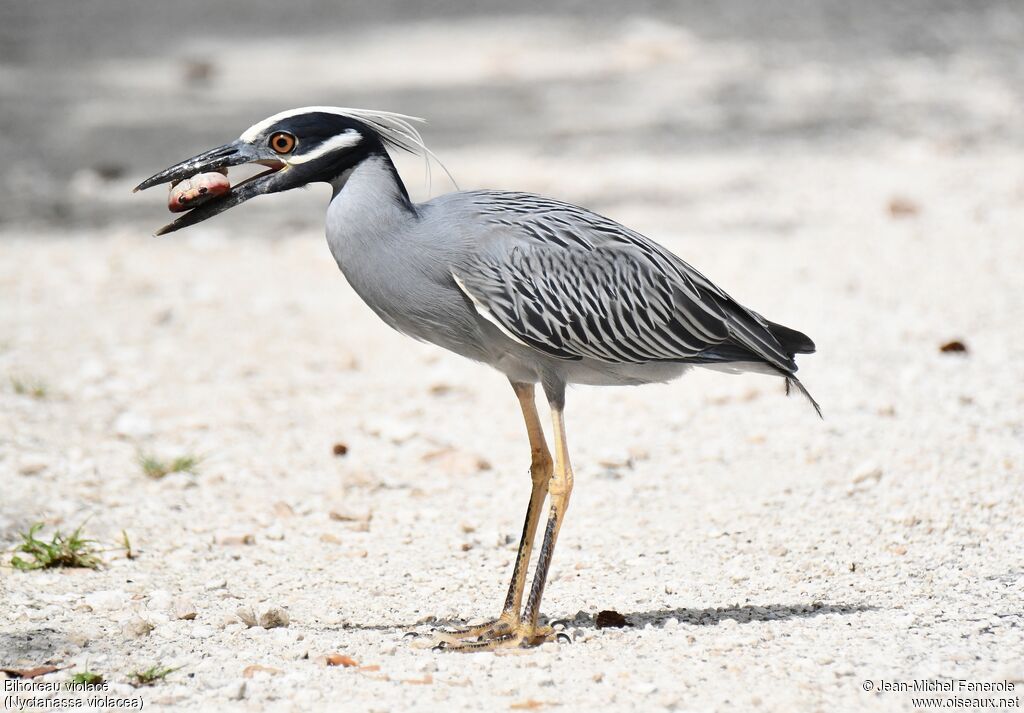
x,y
544,291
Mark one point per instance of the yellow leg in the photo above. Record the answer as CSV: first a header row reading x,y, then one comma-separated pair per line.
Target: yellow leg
x,y
559,489
540,474
524,631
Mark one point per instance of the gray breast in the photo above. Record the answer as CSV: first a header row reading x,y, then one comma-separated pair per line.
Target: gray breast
x,y
398,260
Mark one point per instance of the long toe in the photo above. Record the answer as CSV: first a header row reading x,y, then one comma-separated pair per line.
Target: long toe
x,y
521,635
488,630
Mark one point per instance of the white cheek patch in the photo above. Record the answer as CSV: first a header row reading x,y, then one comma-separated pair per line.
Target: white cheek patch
x,y
335,143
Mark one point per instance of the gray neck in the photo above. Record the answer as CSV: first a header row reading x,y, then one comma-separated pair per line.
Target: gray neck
x,y
384,174
368,203
369,216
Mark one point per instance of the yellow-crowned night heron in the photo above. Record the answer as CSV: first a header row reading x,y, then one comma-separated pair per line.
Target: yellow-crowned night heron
x,y
544,291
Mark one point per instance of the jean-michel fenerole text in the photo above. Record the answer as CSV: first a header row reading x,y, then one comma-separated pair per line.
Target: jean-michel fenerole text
x,y
952,685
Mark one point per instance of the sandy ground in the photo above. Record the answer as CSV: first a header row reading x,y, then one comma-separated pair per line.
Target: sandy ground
x,y
764,560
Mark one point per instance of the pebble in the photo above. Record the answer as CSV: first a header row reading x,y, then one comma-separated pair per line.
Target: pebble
x,y
865,472
456,462
92,370
132,425
105,600
202,631
398,432
247,616
231,538
137,627
159,600
274,617
184,608
33,464
615,459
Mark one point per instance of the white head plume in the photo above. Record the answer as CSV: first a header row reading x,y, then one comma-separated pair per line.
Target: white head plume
x,y
395,130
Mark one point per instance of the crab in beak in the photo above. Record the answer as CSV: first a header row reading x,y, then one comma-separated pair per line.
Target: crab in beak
x,y
239,152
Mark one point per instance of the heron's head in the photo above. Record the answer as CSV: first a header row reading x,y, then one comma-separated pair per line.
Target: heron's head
x,y
297,147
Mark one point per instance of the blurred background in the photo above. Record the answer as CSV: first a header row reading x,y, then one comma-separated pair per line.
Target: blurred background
x,y
563,96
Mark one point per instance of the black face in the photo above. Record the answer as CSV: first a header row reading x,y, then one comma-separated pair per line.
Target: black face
x,y
297,148
319,146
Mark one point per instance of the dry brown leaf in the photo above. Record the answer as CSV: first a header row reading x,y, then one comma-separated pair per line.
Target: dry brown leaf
x,y
244,539
341,660
349,517
903,207
953,347
252,669
29,672
610,619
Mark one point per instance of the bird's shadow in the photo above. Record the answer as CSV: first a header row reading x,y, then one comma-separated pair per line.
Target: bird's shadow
x,y
658,617
715,616
40,645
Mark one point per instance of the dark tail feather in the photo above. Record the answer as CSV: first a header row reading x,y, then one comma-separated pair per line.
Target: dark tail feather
x,y
794,342
791,340
792,381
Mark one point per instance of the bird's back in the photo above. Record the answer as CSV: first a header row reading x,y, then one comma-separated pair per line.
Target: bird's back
x,y
554,288
538,262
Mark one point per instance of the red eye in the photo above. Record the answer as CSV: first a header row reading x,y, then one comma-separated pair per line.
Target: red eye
x,y
282,142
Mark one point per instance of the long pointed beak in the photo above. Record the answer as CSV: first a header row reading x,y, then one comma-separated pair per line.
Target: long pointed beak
x,y
233,154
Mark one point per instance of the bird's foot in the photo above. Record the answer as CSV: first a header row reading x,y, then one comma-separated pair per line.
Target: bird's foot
x,y
502,633
488,630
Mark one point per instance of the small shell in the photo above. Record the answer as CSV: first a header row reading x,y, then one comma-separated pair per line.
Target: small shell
x,y
197,190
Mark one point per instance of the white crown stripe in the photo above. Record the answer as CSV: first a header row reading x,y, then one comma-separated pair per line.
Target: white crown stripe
x,y
394,129
381,119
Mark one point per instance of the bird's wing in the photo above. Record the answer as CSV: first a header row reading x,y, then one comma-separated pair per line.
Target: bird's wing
x,y
574,285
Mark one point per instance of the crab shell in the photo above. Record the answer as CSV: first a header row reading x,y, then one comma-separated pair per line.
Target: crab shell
x,y
197,190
